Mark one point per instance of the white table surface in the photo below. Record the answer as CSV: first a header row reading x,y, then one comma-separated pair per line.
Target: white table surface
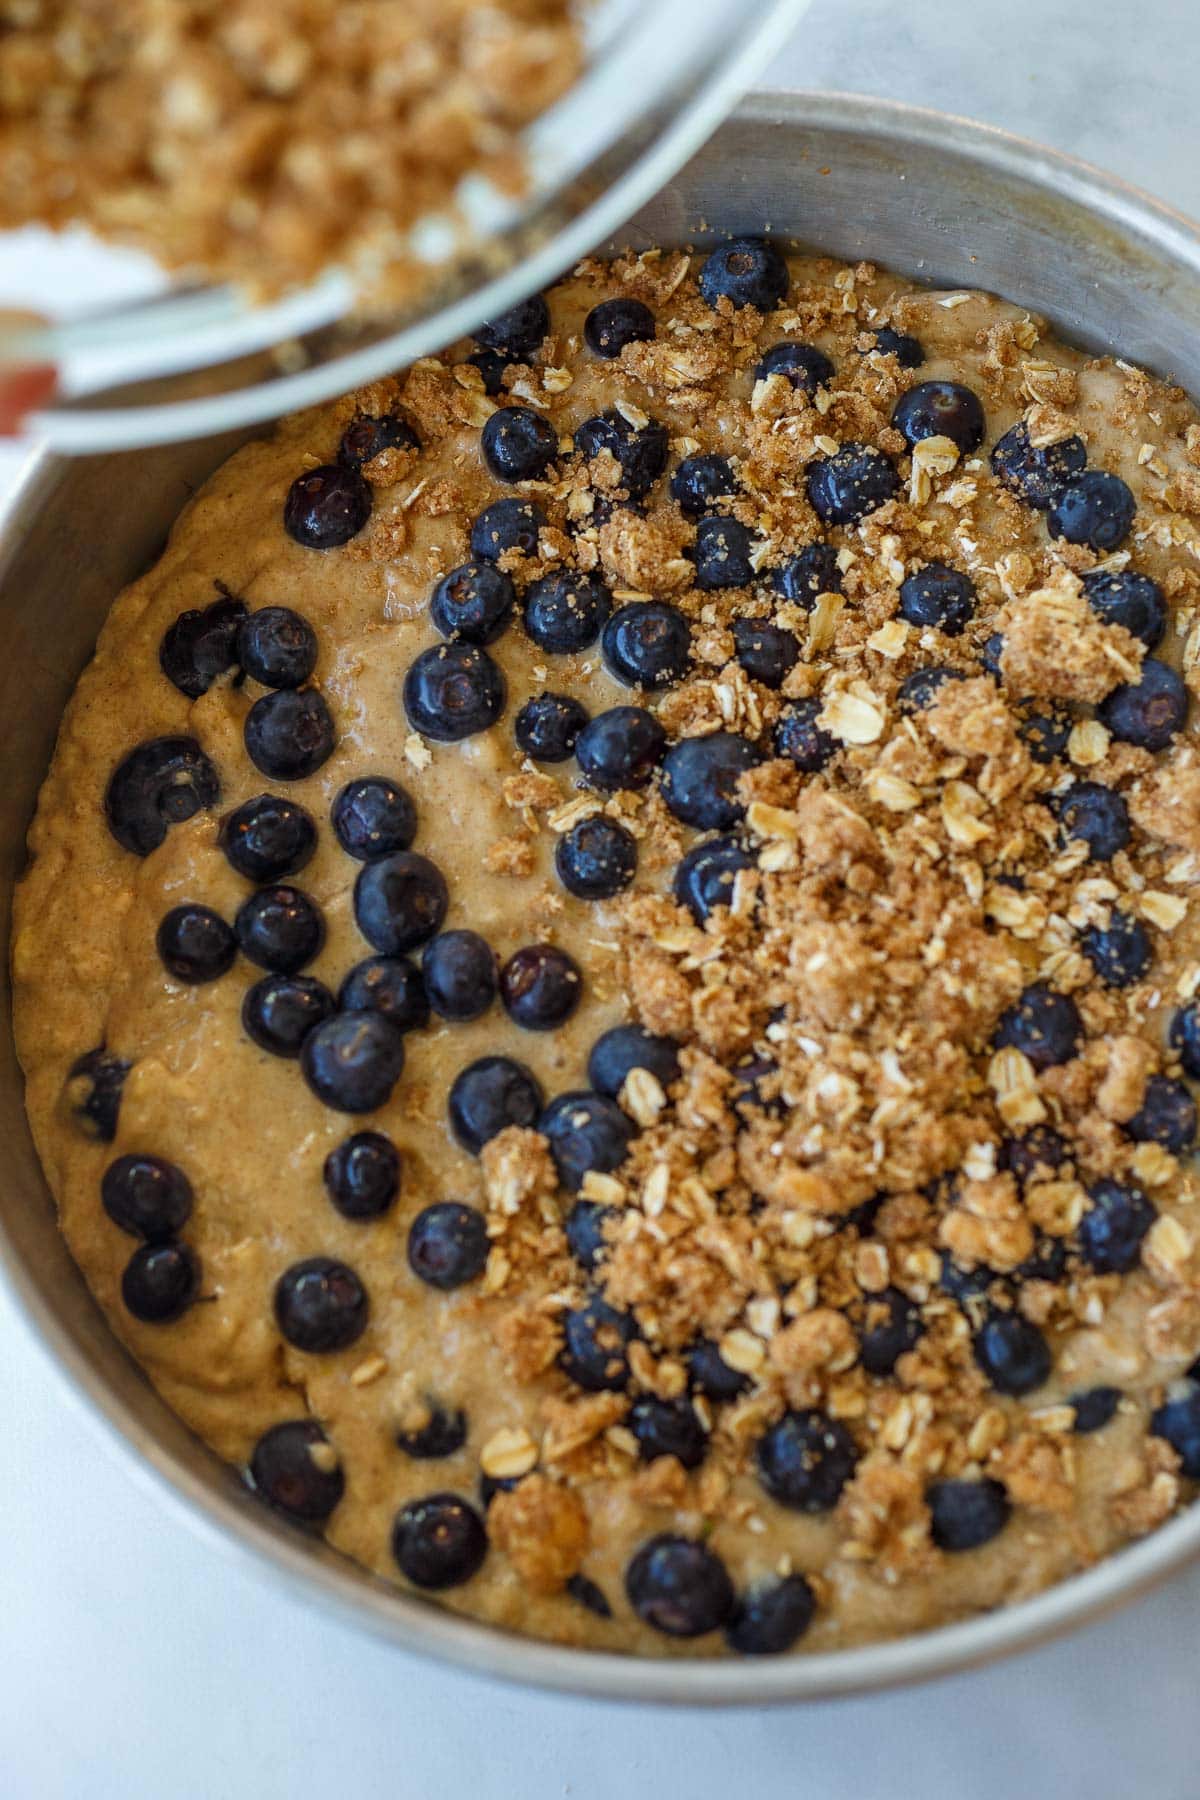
x,y
137,1664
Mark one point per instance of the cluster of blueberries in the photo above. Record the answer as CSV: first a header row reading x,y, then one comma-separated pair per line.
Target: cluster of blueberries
x,y
351,1050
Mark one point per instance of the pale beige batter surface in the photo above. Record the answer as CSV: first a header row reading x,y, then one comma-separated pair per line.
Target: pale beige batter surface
x,y
251,1136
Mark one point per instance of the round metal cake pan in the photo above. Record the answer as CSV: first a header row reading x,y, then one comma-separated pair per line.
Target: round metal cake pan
x,y
939,199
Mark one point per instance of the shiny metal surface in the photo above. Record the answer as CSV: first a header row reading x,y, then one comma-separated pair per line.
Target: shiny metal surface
x,y
938,198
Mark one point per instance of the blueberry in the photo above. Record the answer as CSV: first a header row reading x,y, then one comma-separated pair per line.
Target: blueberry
x,y
668,1428
747,271
1167,1115
620,748
277,648
400,901
749,1097
805,1461
284,1470
518,332
564,611
1094,1408
473,602
94,1085
362,1175
710,1375
268,837
289,733
679,1586
540,986
1095,508
443,1434
1184,1038
699,480
640,451
892,1326
1112,1229
1036,1155
1043,1025
201,645
614,323
920,689
1046,734
320,1305
799,737
448,1244
1148,712
628,1047
1123,597
802,365
547,726
279,1011
160,1282
326,507
373,817
459,968
597,858
390,985
280,929
1012,1353
767,652
1095,814
1120,953
771,1618
518,444
492,365
596,1338
1046,1262
705,876
508,524
940,597
908,351
195,944
489,1095
991,654
588,1594
438,1542
722,553
587,1132
584,1227
845,487
604,508
647,644
147,1196
965,1514
961,1284
812,571
1037,474
353,1061
864,1217
701,775
160,784
453,691
1178,1421
940,409
366,437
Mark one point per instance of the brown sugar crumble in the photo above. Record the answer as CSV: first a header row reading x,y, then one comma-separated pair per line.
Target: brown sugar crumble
x,y
266,141
859,1286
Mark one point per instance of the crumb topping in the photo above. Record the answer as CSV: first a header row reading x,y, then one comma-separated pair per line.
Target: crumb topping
x,y
265,141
